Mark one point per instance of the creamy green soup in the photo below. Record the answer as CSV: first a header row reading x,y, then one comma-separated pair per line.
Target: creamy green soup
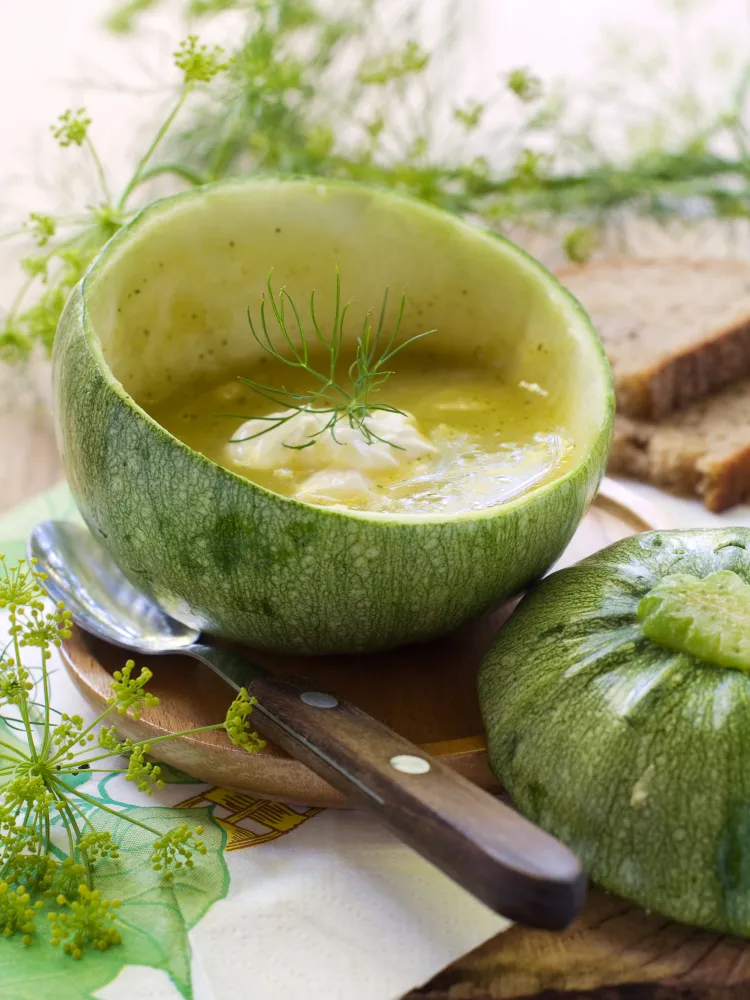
x,y
469,439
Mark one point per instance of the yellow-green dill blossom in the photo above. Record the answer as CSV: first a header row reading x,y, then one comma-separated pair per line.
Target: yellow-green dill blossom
x,y
524,85
129,693
86,921
236,723
34,793
17,912
72,127
142,772
42,228
175,850
97,844
199,63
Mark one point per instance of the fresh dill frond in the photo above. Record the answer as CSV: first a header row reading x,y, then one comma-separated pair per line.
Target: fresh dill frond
x,y
70,244
37,795
348,398
524,154
529,153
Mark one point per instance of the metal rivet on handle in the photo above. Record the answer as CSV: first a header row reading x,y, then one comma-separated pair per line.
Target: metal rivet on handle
x,y
409,764
318,699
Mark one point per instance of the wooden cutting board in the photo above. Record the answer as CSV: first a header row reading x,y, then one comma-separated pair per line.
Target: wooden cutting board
x,y
427,693
615,951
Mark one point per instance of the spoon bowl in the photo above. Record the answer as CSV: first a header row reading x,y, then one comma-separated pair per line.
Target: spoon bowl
x,y
101,599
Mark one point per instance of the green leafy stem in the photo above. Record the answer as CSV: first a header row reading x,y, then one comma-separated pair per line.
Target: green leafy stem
x,y
68,245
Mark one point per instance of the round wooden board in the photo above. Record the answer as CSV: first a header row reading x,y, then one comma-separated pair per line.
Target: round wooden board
x,y
426,693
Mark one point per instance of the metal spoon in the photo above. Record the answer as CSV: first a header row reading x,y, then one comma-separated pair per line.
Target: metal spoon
x,y
504,860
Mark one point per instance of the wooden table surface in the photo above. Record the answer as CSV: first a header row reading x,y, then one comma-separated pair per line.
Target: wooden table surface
x,y
615,952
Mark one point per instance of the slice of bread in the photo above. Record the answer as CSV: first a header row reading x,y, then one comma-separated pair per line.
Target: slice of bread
x,y
703,450
674,331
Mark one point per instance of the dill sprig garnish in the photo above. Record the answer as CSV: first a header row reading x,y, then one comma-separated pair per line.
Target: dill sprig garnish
x,y
42,751
338,400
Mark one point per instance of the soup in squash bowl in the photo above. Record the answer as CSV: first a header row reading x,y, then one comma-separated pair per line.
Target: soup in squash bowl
x,y
318,417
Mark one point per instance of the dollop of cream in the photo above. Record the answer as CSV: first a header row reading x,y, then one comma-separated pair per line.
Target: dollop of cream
x,y
340,485
345,465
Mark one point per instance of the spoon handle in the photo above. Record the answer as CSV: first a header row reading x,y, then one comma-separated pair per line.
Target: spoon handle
x,y
481,843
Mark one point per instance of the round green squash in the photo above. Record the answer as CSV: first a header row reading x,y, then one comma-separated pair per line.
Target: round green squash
x,y
165,303
635,752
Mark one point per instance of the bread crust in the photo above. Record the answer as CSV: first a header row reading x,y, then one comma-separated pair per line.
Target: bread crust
x,y
688,374
681,465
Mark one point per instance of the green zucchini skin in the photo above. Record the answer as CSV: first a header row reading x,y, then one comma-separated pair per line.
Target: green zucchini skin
x,y
238,561
635,756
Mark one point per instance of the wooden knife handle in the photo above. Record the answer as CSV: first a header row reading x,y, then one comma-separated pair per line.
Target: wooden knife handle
x,y
484,845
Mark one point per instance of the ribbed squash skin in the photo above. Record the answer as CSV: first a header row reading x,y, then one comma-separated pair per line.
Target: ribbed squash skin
x,y
636,757
241,562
